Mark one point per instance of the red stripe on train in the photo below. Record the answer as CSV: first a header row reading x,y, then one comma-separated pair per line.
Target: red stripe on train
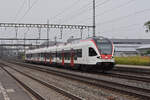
x,y
63,62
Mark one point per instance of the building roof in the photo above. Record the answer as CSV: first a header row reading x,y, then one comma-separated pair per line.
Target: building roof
x,y
125,49
131,41
144,47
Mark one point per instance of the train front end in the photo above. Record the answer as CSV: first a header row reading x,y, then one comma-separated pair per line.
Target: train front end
x,y
105,48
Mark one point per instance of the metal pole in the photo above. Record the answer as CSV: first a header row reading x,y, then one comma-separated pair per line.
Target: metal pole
x,y
94,26
55,40
39,29
24,43
16,30
48,29
61,33
81,31
88,32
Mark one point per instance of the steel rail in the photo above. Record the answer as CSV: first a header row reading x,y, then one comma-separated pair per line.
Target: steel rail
x,y
130,77
130,90
31,91
132,70
59,90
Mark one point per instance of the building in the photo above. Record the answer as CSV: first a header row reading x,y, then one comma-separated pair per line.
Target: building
x,y
144,50
128,47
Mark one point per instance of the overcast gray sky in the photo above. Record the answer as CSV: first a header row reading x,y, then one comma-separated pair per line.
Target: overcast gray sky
x,y
114,18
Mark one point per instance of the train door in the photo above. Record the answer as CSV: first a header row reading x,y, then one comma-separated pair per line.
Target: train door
x,y
63,62
72,58
50,58
45,57
91,55
85,55
56,57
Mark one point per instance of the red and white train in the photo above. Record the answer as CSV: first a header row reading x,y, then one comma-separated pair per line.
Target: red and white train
x,y
96,52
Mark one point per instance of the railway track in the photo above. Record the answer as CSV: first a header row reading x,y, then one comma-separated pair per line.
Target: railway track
x,y
38,96
127,76
127,89
31,91
132,70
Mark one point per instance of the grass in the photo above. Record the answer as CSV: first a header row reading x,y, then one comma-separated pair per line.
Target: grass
x,y
136,60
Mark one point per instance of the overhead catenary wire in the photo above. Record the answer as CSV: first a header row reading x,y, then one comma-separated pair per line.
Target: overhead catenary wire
x,y
123,27
65,10
102,3
25,12
110,10
76,15
28,10
19,11
124,17
122,31
115,8
79,11
106,11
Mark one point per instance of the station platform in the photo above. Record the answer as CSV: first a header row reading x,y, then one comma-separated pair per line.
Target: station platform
x,y
10,89
133,66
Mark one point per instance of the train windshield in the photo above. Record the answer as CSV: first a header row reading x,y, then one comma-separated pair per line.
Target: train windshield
x,y
104,46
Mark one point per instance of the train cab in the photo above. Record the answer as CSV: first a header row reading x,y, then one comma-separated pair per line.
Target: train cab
x,y
104,54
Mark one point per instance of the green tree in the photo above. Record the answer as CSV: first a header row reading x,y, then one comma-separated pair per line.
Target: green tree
x,y
148,52
147,24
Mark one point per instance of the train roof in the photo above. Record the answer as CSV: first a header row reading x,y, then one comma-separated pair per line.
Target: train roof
x,y
64,45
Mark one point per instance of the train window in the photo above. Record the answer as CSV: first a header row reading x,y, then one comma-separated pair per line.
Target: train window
x,y
27,55
92,52
41,55
104,46
34,55
75,54
79,53
59,55
67,55
47,55
37,55
31,56
53,55
44,54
